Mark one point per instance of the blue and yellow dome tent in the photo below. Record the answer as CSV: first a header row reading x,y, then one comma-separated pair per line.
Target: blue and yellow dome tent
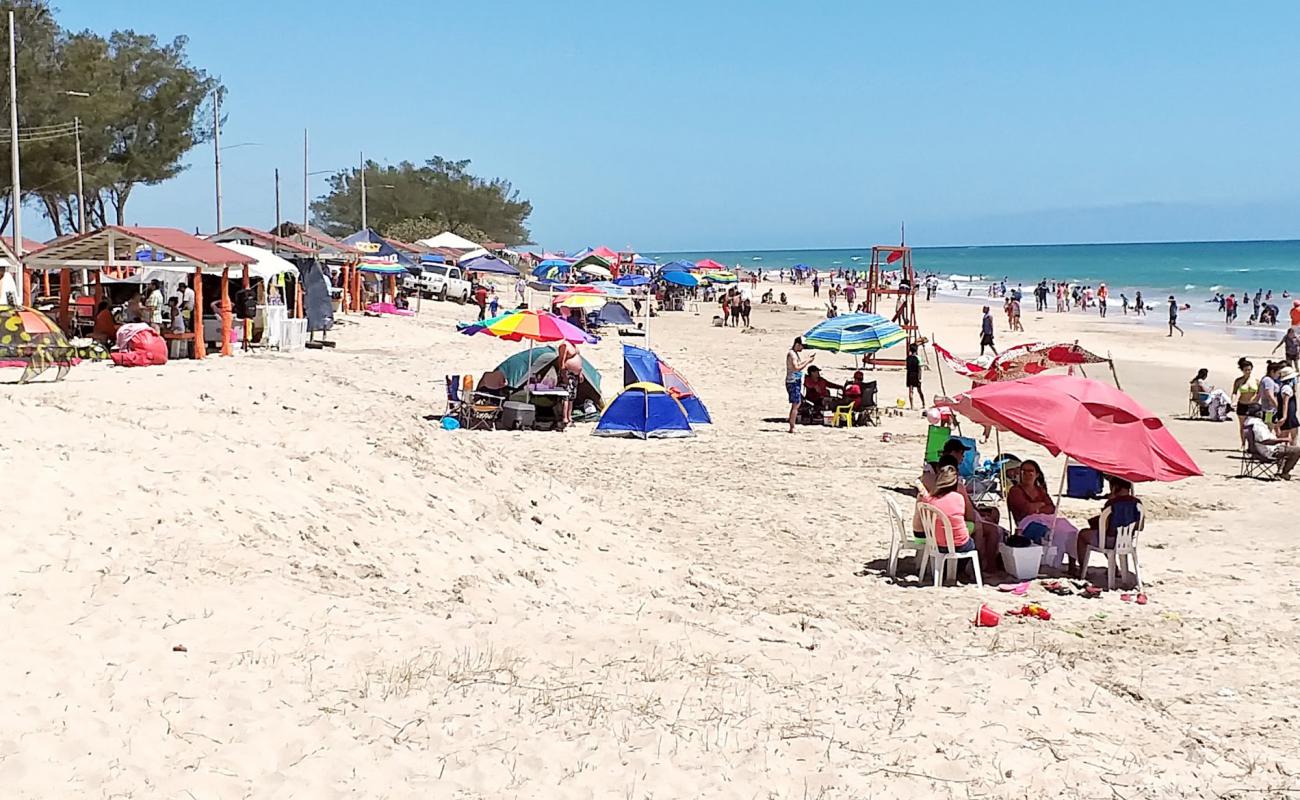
x,y
644,411
642,365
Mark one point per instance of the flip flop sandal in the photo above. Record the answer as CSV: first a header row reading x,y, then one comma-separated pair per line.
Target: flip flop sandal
x,y
1142,599
1127,598
1018,589
1091,592
1058,588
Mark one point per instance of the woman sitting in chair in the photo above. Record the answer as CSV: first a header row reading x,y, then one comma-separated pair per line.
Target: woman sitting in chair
x,y
1125,509
1031,504
949,501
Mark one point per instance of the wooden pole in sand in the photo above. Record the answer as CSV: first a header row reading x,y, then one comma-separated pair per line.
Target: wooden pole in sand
x,y
45,282
248,321
99,289
65,298
1113,373
196,317
225,311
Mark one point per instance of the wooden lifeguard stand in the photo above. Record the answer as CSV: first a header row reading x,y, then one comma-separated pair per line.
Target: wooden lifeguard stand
x,y
890,302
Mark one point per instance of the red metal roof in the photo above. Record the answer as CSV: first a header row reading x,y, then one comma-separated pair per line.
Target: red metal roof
x,y
261,236
192,248
93,246
29,245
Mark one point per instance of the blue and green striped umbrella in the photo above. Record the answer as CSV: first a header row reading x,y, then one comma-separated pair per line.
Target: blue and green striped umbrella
x,y
854,333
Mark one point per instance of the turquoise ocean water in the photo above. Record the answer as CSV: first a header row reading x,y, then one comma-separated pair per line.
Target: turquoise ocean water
x,y
1192,271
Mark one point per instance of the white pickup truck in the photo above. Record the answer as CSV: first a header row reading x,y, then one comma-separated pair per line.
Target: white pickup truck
x,y
440,280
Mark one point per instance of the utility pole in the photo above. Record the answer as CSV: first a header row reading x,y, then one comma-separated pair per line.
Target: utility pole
x,y
304,181
277,201
13,156
216,147
363,191
81,187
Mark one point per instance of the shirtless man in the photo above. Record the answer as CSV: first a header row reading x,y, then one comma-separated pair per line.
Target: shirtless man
x,y
795,364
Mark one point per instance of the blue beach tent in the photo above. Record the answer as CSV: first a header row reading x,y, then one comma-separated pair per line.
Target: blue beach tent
x,y
644,411
645,366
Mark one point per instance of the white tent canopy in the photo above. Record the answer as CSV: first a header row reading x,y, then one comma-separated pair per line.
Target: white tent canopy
x,y
267,266
449,239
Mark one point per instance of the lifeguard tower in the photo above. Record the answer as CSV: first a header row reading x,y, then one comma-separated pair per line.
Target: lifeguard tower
x,y
896,301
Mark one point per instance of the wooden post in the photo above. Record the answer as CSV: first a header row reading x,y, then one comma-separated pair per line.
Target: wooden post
x,y
99,289
200,346
246,343
27,284
359,288
65,298
297,296
1113,373
45,281
392,289
225,311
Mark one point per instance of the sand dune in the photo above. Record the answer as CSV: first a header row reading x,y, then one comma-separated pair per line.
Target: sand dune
x,y
369,606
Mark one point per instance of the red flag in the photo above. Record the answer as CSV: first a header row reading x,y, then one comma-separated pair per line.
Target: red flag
x,y
894,256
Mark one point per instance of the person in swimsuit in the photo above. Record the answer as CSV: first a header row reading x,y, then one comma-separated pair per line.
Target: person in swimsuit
x,y
569,365
1245,390
913,375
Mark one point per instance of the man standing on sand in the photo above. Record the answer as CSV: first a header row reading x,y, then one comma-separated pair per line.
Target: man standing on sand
x,y
795,364
1173,317
986,332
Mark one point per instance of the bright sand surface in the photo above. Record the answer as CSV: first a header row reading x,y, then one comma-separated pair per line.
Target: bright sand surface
x,y
372,607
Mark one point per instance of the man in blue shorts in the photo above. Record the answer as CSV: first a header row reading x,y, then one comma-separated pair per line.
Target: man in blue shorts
x,y
795,364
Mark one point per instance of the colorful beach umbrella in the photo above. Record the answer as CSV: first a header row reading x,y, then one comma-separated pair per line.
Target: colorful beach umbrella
x,y
720,277
854,333
31,340
710,264
680,279
533,325
581,300
631,280
1090,422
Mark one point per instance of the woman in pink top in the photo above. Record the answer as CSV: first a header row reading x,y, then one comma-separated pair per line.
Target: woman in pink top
x,y
952,504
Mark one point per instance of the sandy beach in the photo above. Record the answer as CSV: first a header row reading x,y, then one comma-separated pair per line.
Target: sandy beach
x,y
272,576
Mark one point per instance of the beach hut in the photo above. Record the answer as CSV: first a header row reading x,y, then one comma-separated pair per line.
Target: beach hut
x,y
172,250
641,365
644,411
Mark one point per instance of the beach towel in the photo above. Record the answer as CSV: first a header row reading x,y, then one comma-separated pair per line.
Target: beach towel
x,y
389,308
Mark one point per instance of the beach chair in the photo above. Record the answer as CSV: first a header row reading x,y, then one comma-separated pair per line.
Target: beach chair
x,y
935,439
1125,549
478,412
900,534
1198,405
868,409
454,400
931,518
1252,465
843,416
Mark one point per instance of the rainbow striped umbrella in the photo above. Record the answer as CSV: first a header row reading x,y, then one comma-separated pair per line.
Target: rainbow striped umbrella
x,y
534,325
854,333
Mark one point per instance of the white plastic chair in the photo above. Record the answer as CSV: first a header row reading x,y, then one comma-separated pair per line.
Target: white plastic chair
x,y
930,518
901,538
1125,548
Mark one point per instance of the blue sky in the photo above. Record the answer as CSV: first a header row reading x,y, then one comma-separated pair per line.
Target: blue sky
x,y
728,125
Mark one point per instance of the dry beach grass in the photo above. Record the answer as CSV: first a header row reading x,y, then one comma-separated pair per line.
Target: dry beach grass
x,y
373,607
